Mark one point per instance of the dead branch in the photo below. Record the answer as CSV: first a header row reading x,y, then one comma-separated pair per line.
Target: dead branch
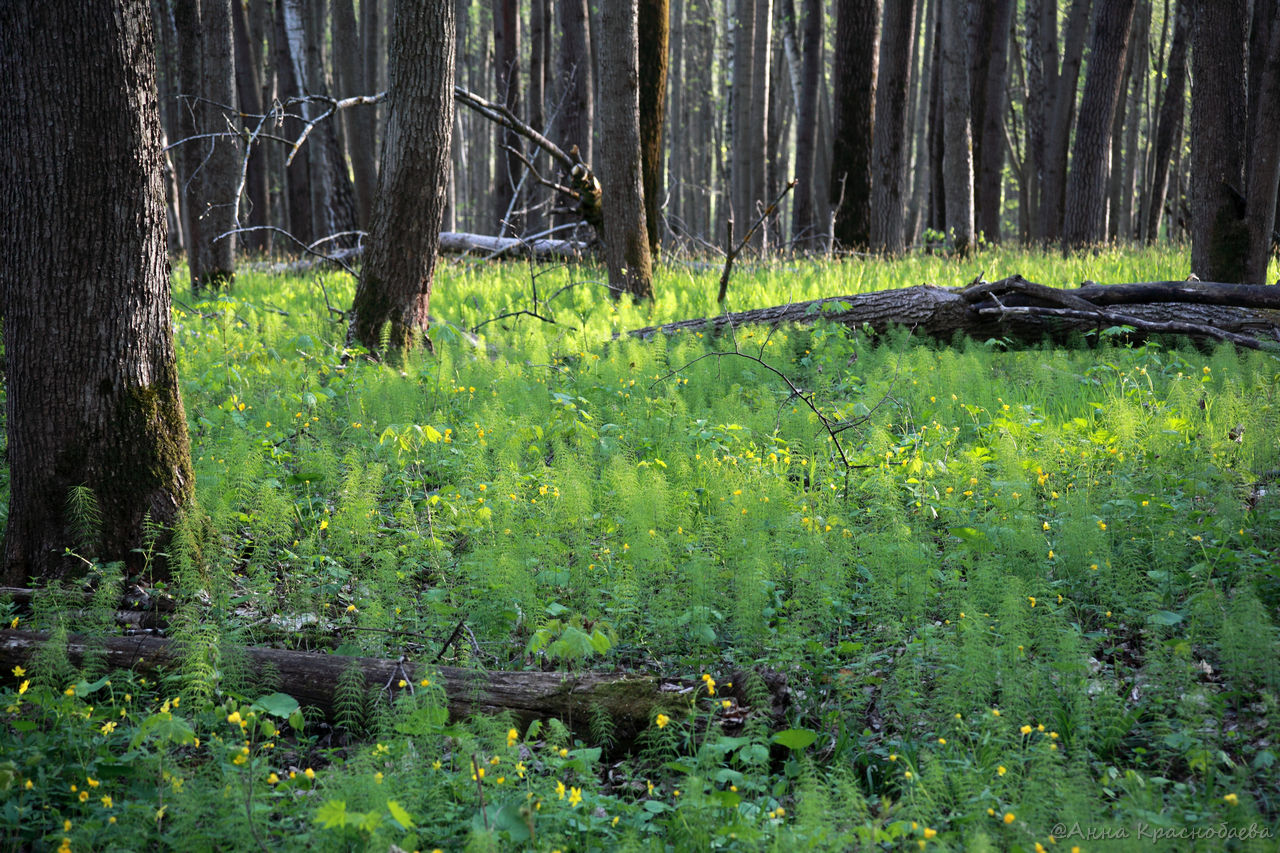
x,y
733,250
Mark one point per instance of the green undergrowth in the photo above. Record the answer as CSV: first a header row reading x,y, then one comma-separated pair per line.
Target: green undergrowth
x,y
1040,600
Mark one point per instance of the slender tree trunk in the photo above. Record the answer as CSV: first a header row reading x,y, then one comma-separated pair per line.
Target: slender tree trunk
x,y
1219,233
1264,159
936,219
805,227
190,154
854,79
298,193
1169,126
891,145
1085,220
957,155
742,37
625,235
1037,95
576,91
91,379
654,29
358,122
1124,215
678,116
256,206
1062,117
399,265
989,124
168,85
506,81
924,102
373,43
539,38
758,118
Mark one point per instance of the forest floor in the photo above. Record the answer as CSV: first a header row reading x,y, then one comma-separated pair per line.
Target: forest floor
x,y
975,596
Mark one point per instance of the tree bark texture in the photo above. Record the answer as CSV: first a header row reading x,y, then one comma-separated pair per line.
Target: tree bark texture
x,y
256,205
92,390
626,237
1035,115
759,139
1085,219
655,30
805,226
297,174
189,156
577,110
742,36
957,153
1264,158
1219,233
506,81
989,117
891,144
1062,115
1169,124
854,80
1019,310
220,172
395,283
539,56
358,122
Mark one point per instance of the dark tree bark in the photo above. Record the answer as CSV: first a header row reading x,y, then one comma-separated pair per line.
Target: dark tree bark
x,y
957,154
805,227
988,117
577,112
654,28
506,81
742,37
539,56
1169,125
1062,116
1264,156
1219,233
256,206
759,139
395,282
185,19
1035,114
1085,219
625,235
220,172
91,383
358,122
891,144
854,79
297,207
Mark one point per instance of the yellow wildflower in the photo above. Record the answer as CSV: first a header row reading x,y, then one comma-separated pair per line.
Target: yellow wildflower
x,y
575,796
661,720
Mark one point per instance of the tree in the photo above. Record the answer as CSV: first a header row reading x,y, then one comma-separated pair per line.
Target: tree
x,y
957,153
220,173
805,228
891,144
1219,234
856,59
626,236
990,47
1169,124
654,30
1061,113
506,81
1264,152
92,388
1085,220
395,283
577,113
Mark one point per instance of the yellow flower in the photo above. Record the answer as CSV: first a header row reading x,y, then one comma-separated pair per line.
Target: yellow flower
x,y
560,789
995,712
273,779
234,718
564,752
70,691
1032,599
575,796
14,623
402,684
426,682
1026,730
1009,817
351,608
106,801
1001,770
22,688
309,773
907,775
93,783
1231,799
324,524
377,777
661,720
930,833
18,672
942,741
711,684
512,736
726,704
84,795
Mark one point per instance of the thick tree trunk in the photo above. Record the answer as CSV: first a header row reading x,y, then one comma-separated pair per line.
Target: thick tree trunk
x,y
989,123
1219,233
395,282
805,227
1062,116
854,79
1124,180
891,145
220,172
1264,160
1169,126
1016,309
91,383
957,155
1034,113
1085,220
654,29
358,122
631,701
625,235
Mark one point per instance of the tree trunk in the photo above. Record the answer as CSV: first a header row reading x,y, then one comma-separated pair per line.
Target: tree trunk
x,y
1034,112
1169,126
539,55
577,112
1085,223
625,235
854,79
297,178
1062,117
91,382
758,137
506,81
891,145
1124,209
957,155
256,206
220,172
989,123
358,122
742,34
1219,233
805,227
654,29
395,282
191,152
1264,160
923,103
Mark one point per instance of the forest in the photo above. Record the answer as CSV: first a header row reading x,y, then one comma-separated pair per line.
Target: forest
x,y
640,424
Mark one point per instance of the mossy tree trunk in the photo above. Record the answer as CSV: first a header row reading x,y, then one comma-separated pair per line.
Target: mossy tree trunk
x,y
92,391
395,283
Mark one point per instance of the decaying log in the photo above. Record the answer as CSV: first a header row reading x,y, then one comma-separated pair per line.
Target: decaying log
x,y
455,243
631,701
1014,308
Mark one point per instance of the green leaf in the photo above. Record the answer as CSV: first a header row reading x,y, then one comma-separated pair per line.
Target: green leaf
x,y
1165,617
431,434
332,815
399,815
795,738
277,705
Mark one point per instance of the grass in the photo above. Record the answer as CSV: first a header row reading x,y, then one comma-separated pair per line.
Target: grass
x,y
1041,603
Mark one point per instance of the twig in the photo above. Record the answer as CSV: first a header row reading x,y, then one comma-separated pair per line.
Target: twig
x,y
733,252
475,774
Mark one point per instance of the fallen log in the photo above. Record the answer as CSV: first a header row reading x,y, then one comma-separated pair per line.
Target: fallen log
x,y
455,243
1017,309
631,701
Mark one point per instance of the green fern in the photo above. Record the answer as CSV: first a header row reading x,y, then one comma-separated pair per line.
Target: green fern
x,y
84,518
350,700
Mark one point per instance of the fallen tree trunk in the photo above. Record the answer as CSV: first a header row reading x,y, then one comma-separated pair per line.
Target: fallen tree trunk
x,y
631,701
457,243
1014,308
